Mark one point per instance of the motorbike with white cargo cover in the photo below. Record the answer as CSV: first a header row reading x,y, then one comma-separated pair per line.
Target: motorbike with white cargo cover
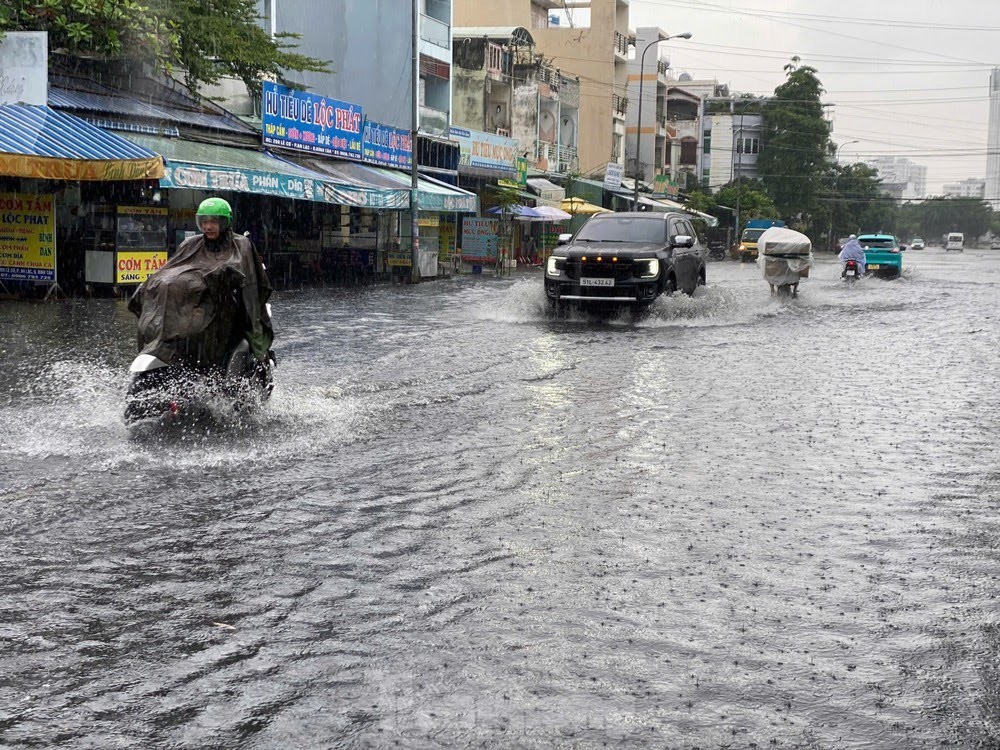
x,y
785,256
204,330
625,260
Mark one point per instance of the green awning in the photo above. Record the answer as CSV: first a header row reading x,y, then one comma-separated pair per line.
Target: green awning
x,y
206,166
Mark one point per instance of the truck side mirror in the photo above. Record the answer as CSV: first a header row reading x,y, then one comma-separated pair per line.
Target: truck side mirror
x,y
564,238
682,240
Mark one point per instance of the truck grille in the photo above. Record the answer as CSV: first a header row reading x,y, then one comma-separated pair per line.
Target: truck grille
x,y
619,271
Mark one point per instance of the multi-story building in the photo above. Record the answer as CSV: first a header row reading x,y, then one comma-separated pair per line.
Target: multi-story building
x,y
966,189
992,191
732,143
689,135
645,142
596,54
380,83
901,178
501,86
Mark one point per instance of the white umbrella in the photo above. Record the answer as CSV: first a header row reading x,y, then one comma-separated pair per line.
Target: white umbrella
x,y
546,214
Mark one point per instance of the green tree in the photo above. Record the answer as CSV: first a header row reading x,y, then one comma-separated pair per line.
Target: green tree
x,y
753,200
855,203
938,216
204,39
793,158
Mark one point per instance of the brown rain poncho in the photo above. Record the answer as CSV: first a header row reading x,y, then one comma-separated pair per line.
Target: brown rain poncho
x,y
208,296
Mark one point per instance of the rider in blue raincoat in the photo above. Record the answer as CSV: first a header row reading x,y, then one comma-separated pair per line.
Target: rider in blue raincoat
x,y
853,250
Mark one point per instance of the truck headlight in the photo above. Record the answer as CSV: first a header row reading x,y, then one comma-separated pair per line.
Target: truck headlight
x,y
742,247
651,269
550,266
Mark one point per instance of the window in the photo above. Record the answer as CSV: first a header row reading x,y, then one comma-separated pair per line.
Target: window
x,y
689,151
706,141
747,145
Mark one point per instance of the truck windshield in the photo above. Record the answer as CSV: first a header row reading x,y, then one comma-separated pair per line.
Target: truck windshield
x,y
955,237
752,235
623,229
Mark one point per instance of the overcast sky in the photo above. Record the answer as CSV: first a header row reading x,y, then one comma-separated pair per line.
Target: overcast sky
x,y
906,77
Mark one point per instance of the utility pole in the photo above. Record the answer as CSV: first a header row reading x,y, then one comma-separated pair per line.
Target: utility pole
x,y
414,126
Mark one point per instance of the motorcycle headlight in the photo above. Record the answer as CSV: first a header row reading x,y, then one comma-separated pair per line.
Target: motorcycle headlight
x,y
550,266
649,268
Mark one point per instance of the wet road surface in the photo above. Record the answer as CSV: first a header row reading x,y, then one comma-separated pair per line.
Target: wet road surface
x,y
738,522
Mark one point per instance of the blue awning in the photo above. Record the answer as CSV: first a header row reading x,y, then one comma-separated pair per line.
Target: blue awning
x,y
37,141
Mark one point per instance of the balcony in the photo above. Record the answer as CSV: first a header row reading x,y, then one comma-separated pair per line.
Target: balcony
x,y
568,160
434,31
433,121
622,43
619,104
661,68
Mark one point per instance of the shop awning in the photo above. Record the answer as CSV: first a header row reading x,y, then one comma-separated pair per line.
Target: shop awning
x,y
546,189
39,142
434,195
205,166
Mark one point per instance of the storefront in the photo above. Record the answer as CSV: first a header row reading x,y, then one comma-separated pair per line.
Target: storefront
x,y
61,179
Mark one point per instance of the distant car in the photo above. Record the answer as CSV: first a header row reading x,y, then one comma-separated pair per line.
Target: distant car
x,y
882,255
995,244
625,260
917,244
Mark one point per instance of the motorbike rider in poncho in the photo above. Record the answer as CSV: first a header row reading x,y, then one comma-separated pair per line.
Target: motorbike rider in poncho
x,y
853,250
208,296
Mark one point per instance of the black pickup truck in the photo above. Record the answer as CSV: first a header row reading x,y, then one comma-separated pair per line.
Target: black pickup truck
x,y
625,259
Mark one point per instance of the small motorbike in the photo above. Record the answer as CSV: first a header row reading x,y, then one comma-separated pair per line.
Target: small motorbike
x,y
851,272
165,394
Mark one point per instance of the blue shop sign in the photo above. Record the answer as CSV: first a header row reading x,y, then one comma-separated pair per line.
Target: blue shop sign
x,y
387,146
295,119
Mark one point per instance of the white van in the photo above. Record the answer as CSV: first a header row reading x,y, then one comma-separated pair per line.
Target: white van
x,y
956,241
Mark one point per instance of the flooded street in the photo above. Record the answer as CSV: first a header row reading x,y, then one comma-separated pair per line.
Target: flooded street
x,y
740,521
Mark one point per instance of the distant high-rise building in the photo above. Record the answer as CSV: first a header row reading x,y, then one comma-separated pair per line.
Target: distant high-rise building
x,y
900,177
972,188
992,193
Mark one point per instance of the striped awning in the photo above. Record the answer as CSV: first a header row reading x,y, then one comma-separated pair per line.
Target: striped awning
x,y
39,142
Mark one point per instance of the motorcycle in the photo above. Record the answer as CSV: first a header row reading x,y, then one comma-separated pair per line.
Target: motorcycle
x,y
851,272
167,394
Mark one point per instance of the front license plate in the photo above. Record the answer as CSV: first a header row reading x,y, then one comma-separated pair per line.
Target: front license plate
x,y
584,281
874,266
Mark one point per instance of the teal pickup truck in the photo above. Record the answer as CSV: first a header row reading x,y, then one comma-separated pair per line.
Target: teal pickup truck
x,y
883,256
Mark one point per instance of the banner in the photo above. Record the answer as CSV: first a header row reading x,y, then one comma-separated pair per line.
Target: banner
x,y
27,237
24,71
485,150
479,240
295,119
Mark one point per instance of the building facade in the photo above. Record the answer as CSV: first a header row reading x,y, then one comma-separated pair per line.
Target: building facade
x,y
595,54
992,190
348,33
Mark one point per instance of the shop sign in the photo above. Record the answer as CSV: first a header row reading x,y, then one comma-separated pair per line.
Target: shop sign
x,y
398,260
664,186
520,181
613,174
27,237
347,196
485,150
479,240
24,74
386,145
433,220
198,177
134,267
463,203
308,122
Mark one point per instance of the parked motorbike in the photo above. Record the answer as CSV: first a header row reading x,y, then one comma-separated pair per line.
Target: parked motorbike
x,y
851,272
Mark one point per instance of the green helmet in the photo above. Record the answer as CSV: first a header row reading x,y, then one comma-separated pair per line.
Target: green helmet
x,y
218,209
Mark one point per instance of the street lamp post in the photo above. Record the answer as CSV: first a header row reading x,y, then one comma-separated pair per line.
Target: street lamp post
x,y
833,198
638,132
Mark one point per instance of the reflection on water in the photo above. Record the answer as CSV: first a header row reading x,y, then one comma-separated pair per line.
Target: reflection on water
x,y
734,521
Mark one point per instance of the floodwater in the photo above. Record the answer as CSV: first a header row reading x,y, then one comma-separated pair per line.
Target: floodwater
x,y
740,522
